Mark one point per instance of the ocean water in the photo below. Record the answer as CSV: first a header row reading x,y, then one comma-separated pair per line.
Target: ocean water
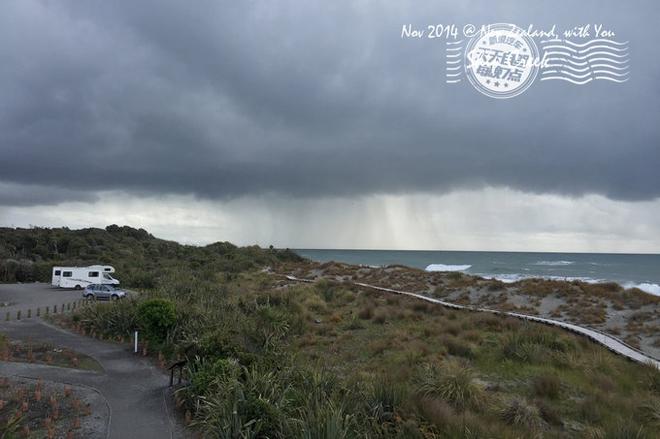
x,y
641,271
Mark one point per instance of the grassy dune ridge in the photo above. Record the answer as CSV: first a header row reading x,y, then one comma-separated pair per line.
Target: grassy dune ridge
x,y
629,314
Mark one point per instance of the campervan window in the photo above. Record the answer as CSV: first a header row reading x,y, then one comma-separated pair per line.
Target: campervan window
x,y
93,274
67,274
107,269
58,272
107,276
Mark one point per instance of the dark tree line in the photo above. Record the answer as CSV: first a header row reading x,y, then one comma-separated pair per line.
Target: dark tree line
x,y
28,255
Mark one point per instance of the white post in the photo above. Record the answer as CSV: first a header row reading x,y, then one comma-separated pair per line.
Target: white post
x,y
136,342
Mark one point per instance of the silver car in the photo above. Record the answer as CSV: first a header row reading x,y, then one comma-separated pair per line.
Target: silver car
x,y
103,292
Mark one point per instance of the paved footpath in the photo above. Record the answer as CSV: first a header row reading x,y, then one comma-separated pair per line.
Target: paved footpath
x,y
137,393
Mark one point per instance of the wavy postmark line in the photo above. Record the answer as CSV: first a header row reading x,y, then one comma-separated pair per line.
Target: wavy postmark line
x,y
592,74
587,62
615,56
586,44
587,50
564,65
585,81
581,63
454,62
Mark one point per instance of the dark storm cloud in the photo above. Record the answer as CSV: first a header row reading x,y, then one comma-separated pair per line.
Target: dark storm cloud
x,y
235,98
29,195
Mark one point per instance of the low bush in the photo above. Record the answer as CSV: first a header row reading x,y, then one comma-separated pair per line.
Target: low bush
x,y
366,313
156,317
384,399
458,347
531,346
453,382
546,386
649,412
435,411
380,317
119,319
522,414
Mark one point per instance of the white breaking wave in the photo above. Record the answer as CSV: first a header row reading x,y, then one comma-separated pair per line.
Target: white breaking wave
x,y
644,286
443,267
510,278
553,263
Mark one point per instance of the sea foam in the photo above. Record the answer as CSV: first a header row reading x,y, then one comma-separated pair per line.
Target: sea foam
x,y
553,263
510,278
443,267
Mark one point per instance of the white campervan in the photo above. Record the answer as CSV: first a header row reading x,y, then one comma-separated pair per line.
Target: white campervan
x,y
80,277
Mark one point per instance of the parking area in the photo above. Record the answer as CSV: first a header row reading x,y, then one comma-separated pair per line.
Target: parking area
x,y
15,297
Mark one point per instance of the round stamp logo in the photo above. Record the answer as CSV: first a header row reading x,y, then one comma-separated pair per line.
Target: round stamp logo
x,y
502,61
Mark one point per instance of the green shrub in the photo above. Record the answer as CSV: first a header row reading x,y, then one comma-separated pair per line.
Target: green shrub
x,y
272,326
118,318
519,413
649,412
453,382
327,289
380,317
454,275
366,313
435,411
224,343
328,421
156,317
384,399
651,378
547,386
529,345
627,430
254,403
205,375
458,348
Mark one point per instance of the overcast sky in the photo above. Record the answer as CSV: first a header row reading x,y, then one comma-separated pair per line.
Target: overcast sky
x,y
313,124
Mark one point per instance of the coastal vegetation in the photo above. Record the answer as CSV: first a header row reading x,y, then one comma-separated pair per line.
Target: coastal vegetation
x,y
28,255
270,357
